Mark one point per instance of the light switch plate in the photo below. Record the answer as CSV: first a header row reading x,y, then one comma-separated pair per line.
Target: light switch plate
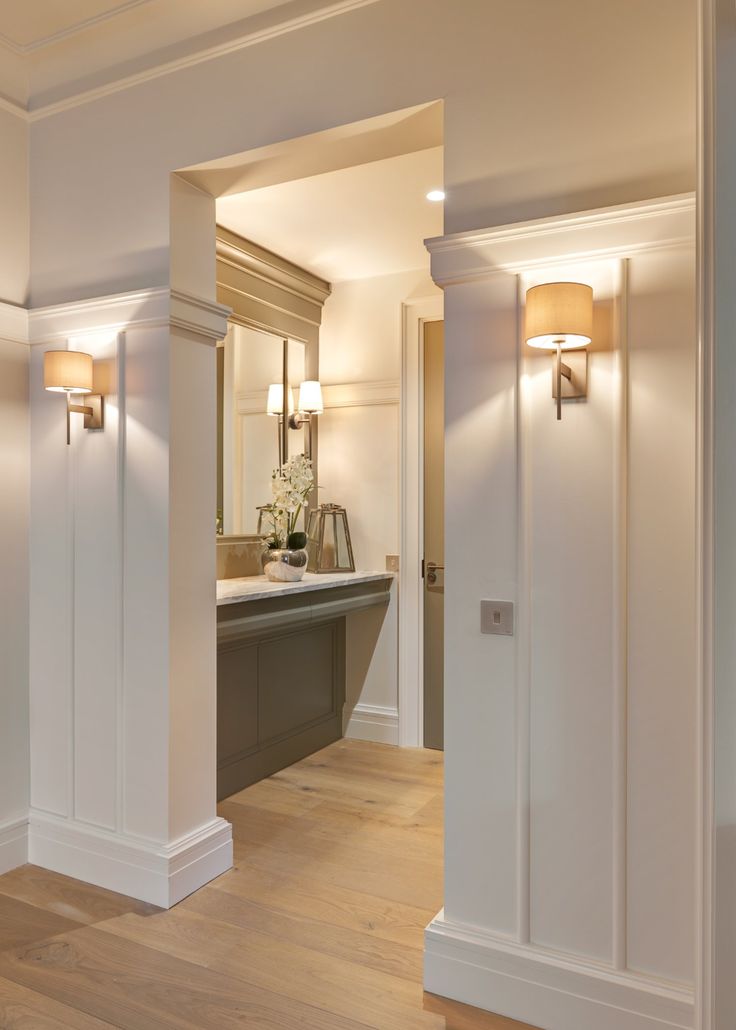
x,y
392,563
497,617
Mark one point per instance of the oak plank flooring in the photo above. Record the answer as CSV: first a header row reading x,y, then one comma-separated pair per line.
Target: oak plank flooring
x,y
21,1009
22,924
319,925
80,902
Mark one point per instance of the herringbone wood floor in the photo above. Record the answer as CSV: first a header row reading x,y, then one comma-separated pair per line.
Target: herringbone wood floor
x,y
338,867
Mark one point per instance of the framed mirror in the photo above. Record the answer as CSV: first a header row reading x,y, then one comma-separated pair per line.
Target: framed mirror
x,y
254,437
272,346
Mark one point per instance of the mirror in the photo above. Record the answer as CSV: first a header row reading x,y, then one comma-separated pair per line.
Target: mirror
x,y
250,440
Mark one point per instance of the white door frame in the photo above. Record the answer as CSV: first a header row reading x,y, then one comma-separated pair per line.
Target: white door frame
x,y
414,314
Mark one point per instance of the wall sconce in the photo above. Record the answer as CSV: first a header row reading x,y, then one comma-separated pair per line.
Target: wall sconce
x,y
275,407
72,372
309,405
559,316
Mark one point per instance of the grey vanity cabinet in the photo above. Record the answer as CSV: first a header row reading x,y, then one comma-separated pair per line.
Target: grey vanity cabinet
x,y
281,675
279,698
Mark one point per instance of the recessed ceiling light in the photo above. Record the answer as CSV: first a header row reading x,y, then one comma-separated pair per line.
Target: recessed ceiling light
x,y
436,195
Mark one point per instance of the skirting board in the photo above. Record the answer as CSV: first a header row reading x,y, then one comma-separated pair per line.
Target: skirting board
x,y
374,722
545,989
13,844
159,874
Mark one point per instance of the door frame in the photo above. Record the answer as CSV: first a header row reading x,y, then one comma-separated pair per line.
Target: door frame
x,y
414,314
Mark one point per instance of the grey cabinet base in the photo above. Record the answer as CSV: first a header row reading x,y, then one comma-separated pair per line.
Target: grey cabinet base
x,y
281,679
279,698
275,756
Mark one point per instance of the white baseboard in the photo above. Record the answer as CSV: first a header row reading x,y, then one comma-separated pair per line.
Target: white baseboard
x,y
546,989
374,722
159,874
13,844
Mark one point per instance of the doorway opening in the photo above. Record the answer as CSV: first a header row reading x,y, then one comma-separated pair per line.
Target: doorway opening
x,y
320,254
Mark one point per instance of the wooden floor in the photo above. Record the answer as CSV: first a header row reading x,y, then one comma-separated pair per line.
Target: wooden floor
x,y
338,867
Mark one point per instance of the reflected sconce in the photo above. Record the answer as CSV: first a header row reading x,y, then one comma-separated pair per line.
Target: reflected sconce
x,y
72,372
275,407
309,406
559,317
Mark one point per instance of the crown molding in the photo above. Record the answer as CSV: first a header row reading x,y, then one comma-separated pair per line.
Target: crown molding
x,y
139,309
55,37
249,39
242,254
610,232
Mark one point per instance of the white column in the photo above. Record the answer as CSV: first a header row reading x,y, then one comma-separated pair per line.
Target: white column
x,y
123,605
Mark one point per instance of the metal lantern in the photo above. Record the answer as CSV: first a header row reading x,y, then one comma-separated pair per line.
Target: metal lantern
x,y
328,543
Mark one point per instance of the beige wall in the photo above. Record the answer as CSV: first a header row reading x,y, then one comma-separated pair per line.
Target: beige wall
x,y
549,107
14,218
360,369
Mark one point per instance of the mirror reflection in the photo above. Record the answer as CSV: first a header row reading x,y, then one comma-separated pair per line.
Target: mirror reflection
x,y
252,441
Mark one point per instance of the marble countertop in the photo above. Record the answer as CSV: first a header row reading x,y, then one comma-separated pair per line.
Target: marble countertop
x,y
251,588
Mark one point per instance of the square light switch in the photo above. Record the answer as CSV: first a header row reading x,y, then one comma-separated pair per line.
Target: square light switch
x,y
497,617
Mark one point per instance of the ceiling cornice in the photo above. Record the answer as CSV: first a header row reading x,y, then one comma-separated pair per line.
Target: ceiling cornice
x,y
323,13
55,37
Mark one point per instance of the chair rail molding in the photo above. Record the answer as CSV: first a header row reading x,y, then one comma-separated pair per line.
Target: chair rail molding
x,y
139,309
612,232
13,323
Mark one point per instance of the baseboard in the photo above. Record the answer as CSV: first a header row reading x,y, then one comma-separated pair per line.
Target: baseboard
x,y
159,874
13,844
547,989
374,722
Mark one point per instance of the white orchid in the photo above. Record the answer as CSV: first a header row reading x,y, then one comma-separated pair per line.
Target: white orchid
x,y
290,485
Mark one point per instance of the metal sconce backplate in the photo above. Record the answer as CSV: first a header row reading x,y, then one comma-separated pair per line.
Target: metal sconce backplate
x,y
577,385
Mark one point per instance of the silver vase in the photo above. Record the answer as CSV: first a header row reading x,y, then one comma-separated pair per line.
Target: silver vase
x,y
284,565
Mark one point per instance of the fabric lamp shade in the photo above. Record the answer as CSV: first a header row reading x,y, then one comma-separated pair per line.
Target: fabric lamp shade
x,y
559,313
310,397
275,401
68,371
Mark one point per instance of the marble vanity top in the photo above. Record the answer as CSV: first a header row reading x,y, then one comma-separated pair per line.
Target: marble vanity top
x,y
251,588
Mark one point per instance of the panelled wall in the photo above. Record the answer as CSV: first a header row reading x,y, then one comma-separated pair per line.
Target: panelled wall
x,y
571,862
15,466
122,620
360,369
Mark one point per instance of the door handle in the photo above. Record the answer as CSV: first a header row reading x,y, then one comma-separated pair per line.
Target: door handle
x,y
432,569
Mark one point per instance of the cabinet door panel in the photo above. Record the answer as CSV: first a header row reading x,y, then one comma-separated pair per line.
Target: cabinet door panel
x,y
237,702
296,681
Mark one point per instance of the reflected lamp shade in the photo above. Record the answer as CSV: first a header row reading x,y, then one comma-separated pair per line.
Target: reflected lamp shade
x,y
310,397
559,313
68,371
275,401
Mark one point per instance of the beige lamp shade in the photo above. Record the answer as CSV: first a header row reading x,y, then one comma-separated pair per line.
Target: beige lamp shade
x,y
310,397
68,371
559,313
